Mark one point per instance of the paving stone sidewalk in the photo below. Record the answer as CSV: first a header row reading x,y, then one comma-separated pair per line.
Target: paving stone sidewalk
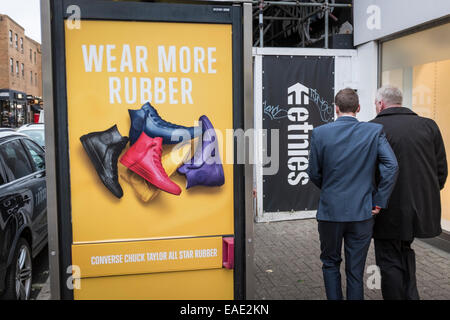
x,y
44,294
287,264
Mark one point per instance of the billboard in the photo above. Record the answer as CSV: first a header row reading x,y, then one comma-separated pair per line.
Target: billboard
x,y
148,92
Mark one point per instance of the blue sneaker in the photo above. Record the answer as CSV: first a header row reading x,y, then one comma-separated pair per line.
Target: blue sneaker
x,y
148,120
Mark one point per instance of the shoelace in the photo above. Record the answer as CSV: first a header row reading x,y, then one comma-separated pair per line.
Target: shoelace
x,y
157,157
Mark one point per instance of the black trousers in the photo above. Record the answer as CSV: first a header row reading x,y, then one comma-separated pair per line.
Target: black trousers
x,y
397,263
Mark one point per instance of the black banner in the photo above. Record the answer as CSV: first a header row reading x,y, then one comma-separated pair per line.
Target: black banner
x,y
297,96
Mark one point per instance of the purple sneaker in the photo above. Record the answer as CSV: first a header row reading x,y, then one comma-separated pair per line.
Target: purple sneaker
x,y
205,168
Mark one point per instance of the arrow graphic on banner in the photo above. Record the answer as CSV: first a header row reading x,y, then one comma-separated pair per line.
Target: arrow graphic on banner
x,y
298,91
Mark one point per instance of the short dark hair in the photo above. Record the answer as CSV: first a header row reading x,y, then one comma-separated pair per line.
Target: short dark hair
x,y
347,100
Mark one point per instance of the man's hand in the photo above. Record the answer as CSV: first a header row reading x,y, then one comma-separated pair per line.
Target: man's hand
x,y
376,210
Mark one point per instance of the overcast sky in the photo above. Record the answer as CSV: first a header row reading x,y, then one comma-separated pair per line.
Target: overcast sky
x,y
26,13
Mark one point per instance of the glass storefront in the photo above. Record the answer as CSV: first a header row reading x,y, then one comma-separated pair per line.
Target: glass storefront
x,y
13,110
419,64
5,107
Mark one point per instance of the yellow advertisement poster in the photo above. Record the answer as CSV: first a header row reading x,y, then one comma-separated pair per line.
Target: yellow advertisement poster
x,y
135,213
184,71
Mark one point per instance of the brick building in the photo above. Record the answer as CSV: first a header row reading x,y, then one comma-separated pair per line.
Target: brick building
x,y
20,75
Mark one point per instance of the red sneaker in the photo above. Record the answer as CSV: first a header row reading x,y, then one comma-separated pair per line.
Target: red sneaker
x,y
144,158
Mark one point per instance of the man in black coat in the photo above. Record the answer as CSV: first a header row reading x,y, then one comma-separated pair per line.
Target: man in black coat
x,y
414,209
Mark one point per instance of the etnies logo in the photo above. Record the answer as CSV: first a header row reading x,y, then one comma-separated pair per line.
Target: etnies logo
x,y
298,134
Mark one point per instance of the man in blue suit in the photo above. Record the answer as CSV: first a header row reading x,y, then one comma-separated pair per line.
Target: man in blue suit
x,y
343,161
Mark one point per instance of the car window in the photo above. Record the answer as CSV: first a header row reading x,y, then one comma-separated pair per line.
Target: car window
x,y
3,179
36,154
36,135
16,161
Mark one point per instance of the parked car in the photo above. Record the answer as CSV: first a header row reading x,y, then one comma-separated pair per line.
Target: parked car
x,y
36,131
41,117
23,212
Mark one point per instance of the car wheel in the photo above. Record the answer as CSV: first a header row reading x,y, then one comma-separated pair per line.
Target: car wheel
x,y
18,278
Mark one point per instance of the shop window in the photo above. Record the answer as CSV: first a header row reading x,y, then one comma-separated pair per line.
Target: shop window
x,y
5,113
419,64
20,115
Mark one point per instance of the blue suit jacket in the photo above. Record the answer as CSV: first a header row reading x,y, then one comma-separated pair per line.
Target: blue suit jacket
x,y
343,160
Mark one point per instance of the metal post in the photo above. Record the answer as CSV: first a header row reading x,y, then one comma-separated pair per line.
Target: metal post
x,y
327,12
248,125
50,158
261,25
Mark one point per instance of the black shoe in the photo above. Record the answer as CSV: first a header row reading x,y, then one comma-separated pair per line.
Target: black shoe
x,y
104,148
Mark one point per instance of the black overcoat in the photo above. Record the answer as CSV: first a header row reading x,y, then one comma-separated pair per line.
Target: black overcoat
x,y
414,209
